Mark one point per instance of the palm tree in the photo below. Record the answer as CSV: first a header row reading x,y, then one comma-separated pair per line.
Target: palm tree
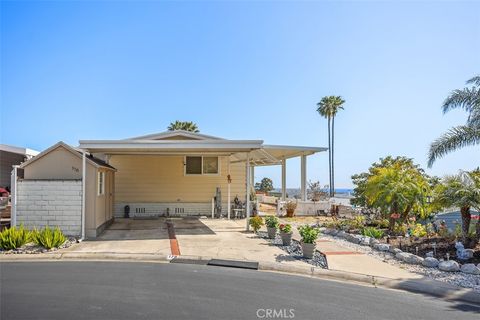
x,y
462,191
328,108
459,136
183,125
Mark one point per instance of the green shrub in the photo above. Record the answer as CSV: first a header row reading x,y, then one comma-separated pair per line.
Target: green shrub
x,y
372,232
49,238
381,223
400,229
418,230
308,233
13,238
256,223
271,222
285,228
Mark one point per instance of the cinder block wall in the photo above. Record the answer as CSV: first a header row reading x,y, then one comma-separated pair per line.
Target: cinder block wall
x,y
52,203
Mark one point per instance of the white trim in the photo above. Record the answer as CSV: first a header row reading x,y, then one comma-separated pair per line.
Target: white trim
x,y
18,150
176,133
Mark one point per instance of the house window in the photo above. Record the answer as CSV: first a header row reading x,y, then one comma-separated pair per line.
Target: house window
x,y
210,165
101,183
201,165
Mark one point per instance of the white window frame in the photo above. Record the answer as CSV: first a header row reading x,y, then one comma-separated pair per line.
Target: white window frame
x,y
101,183
202,173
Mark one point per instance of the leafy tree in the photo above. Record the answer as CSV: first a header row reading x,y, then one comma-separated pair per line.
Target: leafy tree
x,y
266,185
183,125
464,135
462,191
315,191
328,108
394,186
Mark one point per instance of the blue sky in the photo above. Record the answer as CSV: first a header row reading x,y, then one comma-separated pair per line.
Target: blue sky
x,y
241,70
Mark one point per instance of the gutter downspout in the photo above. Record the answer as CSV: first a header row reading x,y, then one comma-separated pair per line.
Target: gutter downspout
x,y
84,175
13,184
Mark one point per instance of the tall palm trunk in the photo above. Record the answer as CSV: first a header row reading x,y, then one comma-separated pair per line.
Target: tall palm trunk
x,y
329,158
333,159
466,218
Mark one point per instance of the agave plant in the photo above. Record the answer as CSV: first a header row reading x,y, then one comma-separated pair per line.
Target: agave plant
x,y
49,238
13,238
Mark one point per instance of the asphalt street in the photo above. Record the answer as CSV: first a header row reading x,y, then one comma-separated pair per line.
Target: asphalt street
x,y
134,290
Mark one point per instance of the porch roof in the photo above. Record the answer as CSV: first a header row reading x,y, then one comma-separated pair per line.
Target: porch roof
x,y
259,153
186,143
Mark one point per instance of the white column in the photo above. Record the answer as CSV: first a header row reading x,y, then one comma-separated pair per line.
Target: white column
x,y
284,179
303,170
229,205
13,190
247,207
252,175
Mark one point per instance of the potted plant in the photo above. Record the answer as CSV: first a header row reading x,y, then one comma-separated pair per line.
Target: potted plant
x,y
309,235
272,226
286,234
256,223
290,206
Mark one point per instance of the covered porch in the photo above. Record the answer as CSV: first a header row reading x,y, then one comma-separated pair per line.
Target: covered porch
x,y
181,174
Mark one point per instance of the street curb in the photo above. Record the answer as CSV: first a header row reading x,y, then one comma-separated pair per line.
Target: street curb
x,y
428,287
422,286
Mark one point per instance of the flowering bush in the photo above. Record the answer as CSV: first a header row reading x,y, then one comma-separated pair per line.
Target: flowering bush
x,y
256,223
285,228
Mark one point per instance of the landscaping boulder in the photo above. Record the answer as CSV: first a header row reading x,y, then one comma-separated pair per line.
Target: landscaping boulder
x,y
341,234
373,242
396,250
382,247
430,262
334,232
429,254
353,238
365,241
411,258
449,266
402,255
470,268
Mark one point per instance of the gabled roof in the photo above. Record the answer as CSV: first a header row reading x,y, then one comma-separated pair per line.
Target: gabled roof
x,y
78,153
18,150
179,134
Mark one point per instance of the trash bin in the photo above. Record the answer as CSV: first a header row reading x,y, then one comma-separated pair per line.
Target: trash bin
x,y
126,211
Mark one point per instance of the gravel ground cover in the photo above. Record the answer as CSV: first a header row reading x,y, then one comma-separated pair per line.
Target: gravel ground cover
x,y
457,278
32,248
294,251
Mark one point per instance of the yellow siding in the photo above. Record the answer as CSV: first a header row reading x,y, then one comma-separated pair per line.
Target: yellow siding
x,y
145,178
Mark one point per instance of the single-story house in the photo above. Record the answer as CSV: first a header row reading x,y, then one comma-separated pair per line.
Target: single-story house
x,y
169,173
10,156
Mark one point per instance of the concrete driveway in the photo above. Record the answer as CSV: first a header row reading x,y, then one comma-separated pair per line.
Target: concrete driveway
x,y
129,236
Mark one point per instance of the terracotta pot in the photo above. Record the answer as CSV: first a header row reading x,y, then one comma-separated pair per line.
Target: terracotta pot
x,y
271,232
286,238
290,213
308,249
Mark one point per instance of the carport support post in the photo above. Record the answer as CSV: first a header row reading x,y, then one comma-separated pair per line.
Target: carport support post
x,y
228,189
247,207
284,179
303,170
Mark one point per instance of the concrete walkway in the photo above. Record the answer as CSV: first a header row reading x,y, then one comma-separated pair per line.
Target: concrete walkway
x,y
227,239
128,236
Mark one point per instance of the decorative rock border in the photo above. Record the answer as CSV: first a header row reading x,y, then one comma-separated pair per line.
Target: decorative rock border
x,y
429,262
